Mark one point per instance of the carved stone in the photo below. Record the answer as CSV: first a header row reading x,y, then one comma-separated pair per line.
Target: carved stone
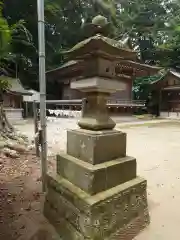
x,y
96,178
118,213
96,194
89,145
98,85
96,115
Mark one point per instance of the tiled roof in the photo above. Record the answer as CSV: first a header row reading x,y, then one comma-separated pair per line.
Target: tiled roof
x,y
167,73
15,86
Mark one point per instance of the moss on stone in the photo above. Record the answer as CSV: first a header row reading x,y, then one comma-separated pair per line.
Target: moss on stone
x,y
100,21
111,42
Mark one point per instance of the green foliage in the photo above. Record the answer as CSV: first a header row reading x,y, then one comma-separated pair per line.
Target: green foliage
x,y
4,84
152,25
5,34
10,36
107,5
141,88
170,49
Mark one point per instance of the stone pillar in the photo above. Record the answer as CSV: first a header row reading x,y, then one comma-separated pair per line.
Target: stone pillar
x,y
96,115
96,193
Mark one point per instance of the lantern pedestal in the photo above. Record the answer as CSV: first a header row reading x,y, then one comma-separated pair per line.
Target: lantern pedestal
x,y
97,90
95,115
96,193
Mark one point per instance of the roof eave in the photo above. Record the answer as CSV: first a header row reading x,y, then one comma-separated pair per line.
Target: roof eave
x,y
98,41
20,93
63,69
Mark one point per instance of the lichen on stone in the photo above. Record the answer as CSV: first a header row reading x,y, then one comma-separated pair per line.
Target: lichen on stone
x,y
111,42
100,21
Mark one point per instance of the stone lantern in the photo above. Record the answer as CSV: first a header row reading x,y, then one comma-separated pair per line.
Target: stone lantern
x,y
96,193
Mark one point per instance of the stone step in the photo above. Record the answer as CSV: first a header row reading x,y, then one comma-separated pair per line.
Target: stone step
x,y
110,215
96,178
96,146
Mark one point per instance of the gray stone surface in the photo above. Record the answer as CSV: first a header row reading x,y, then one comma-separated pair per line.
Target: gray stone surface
x,y
107,215
95,113
45,234
99,84
96,178
94,147
96,123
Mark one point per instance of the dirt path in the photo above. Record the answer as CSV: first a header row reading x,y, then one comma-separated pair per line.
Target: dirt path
x,y
21,198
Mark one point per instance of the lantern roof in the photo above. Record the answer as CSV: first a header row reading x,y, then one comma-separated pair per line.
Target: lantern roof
x,y
100,43
99,48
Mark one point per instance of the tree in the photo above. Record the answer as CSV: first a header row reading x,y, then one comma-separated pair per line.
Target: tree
x,y
142,89
150,24
169,50
145,22
9,35
5,39
63,21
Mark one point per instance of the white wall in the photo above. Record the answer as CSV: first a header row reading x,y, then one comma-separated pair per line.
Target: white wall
x,y
35,97
14,114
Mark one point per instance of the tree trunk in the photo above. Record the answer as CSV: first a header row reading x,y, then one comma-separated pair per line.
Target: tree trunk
x,y
5,126
11,142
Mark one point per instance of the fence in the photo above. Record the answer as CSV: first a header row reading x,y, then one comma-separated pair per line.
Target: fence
x,y
74,108
78,102
65,108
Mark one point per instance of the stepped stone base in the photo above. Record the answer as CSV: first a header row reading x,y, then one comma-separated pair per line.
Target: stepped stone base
x,y
118,213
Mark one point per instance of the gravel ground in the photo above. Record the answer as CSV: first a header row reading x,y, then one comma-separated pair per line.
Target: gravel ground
x,y
157,149
21,197
57,127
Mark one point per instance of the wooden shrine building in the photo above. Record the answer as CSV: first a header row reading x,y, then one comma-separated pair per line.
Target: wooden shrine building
x,y
166,90
13,98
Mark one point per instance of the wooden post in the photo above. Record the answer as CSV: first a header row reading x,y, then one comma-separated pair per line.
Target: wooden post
x,y
26,110
36,129
160,101
83,106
